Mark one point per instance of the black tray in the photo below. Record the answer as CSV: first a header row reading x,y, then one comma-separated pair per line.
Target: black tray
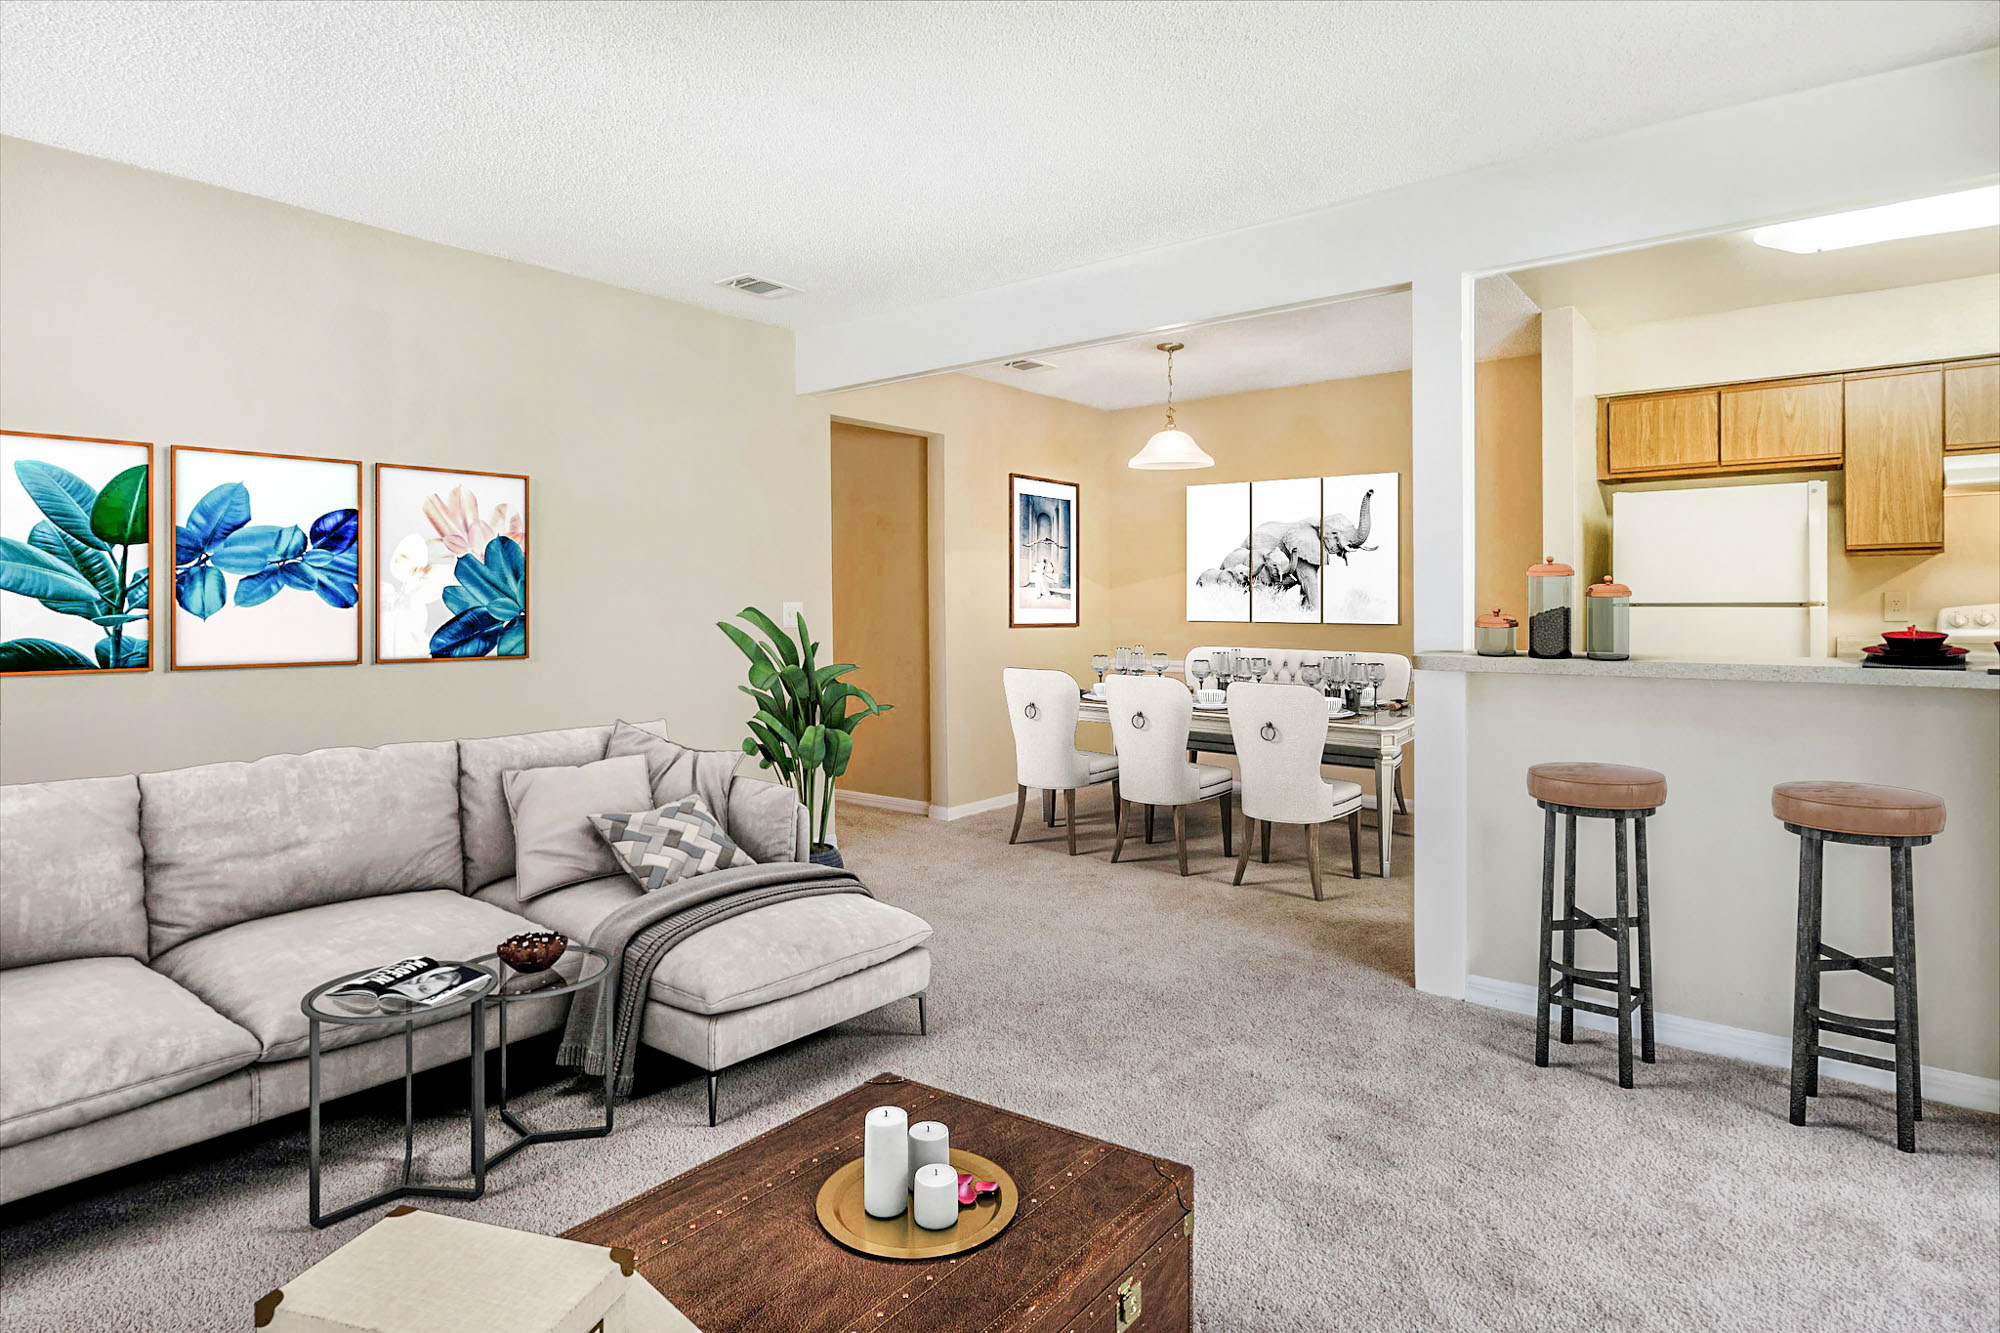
x,y
1954,664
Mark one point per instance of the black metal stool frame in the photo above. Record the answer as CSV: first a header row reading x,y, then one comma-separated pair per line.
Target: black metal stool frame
x,y
1898,969
1619,928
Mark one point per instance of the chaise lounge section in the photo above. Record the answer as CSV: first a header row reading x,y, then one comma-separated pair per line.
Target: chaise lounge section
x,y
158,931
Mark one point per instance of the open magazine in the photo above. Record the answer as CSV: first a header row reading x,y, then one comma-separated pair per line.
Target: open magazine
x,y
414,983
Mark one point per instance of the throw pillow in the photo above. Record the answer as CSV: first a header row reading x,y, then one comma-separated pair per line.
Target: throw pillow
x,y
554,843
675,842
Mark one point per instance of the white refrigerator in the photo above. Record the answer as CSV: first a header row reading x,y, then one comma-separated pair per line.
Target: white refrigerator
x,y
1724,571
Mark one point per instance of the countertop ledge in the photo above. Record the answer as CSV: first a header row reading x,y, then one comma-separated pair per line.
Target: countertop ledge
x,y
1798,671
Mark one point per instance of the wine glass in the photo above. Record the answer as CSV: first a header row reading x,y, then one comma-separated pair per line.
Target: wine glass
x,y
1138,659
1124,659
1100,663
1309,674
1159,664
1258,666
1377,673
1198,668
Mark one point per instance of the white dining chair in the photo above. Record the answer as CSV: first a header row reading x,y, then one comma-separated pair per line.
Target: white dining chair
x,y
1150,718
1042,705
1279,731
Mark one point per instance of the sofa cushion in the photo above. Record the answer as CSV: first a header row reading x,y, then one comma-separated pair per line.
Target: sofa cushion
x,y
573,910
675,842
86,1038
767,821
762,818
553,810
482,800
227,843
782,950
257,972
71,871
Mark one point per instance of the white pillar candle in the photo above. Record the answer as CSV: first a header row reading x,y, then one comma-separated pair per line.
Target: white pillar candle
x,y
929,1142
936,1195
885,1162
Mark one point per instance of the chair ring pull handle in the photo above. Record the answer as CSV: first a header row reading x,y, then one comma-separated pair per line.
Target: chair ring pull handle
x,y
1269,732
1138,721
1031,712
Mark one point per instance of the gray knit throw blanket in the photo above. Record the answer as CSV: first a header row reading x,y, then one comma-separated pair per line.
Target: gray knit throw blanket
x,y
637,935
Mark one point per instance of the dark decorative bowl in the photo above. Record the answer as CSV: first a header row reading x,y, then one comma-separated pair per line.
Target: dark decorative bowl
x,y
535,952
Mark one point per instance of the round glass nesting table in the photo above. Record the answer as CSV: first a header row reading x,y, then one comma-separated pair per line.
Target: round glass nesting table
x,y
581,967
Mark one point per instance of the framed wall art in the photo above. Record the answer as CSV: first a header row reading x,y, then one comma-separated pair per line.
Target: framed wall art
x,y
1218,551
451,556
1046,577
267,559
1362,573
75,555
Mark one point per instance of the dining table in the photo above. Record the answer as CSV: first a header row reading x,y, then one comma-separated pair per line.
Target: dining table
x,y
1373,739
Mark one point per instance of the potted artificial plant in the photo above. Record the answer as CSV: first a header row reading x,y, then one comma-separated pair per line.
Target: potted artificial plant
x,y
803,727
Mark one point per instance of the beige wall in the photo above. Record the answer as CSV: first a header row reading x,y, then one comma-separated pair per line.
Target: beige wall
x,y
979,432
1133,524
881,604
674,477
1723,872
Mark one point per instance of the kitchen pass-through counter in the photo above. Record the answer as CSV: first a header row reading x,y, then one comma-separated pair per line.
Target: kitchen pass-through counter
x,y
1788,671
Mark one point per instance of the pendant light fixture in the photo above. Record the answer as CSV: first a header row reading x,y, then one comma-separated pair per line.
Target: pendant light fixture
x,y
1170,447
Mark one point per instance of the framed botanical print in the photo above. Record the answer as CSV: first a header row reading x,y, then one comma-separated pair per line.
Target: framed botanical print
x,y
1046,578
451,556
267,559
75,555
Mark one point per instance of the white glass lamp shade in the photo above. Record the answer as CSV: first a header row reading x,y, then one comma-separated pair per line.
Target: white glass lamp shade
x,y
1171,448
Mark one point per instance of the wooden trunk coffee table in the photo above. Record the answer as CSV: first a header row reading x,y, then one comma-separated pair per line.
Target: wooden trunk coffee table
x,y
1103,1241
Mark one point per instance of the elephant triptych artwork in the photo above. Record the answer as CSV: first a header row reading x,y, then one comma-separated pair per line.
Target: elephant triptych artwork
x,y
1302,551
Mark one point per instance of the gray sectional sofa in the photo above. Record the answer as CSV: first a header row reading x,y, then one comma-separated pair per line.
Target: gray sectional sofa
x,y
158,931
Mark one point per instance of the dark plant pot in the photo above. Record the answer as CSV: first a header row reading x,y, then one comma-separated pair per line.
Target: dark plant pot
x,y
825,854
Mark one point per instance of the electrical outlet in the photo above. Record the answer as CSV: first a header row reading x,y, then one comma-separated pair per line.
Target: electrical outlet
x,y
1895,606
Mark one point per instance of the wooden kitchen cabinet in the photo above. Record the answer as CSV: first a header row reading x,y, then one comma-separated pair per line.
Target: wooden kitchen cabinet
x,y
1662,432
1895,460
1793,423
1972,406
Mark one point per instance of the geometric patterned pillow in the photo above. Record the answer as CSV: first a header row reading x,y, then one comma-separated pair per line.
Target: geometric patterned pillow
x,y
658,847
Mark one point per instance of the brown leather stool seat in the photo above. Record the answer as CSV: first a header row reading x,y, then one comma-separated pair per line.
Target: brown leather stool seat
x,y
1858,808
1598,786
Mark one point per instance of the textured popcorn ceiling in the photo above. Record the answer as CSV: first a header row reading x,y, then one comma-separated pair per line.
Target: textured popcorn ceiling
x,y
1366,336
881,154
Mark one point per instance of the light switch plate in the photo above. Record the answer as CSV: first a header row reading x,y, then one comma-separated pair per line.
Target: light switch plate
x,y
793,610
1895,605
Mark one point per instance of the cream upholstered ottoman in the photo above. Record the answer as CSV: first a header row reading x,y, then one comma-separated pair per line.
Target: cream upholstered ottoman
x,y
419,1272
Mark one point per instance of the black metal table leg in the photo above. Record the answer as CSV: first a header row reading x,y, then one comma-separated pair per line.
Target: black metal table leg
x,y
1548,937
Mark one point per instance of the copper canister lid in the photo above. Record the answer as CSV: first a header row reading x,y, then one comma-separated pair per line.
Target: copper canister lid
x,y
1494,620
1608,589
1549,569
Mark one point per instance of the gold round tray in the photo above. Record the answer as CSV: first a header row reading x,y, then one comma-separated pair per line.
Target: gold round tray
x,y
842,1213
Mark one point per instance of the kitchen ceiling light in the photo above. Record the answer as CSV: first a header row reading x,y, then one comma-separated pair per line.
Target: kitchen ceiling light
x,y
1891,222
1170,448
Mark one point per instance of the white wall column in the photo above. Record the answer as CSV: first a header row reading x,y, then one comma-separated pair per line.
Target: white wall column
x,y
1442,480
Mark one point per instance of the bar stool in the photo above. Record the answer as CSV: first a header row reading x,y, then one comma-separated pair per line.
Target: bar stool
x,y
1596,791
1866,816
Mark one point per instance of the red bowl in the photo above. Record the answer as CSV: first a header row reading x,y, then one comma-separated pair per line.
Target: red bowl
x,y
1913,635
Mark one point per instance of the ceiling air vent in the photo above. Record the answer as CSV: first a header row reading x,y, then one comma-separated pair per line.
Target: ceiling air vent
x,y
755,286
1026,364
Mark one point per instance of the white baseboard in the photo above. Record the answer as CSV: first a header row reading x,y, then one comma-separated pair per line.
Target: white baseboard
x,y
1757,1048
971,808
901,804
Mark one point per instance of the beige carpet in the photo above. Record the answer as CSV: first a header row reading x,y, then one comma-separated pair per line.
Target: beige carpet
x,y
1365,1157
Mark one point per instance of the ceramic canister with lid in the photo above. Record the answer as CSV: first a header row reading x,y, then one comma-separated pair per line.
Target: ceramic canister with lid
x,y
1608,621
1493,634
1549,608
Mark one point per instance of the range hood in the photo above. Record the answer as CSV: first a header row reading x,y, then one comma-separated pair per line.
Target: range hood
x,y
1968,474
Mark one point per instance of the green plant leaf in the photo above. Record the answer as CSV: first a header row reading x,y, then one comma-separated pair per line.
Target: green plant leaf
x,y
138,592
748,646
124,618
827,674
121,516
125,653
839,749
88,561
41,655
763,675
812,746
787,650
66,498
781,728
798,683
57,584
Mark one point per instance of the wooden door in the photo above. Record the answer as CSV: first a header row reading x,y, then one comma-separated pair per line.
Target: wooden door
x,y
1972,406
1786,424
1663,432
1895,461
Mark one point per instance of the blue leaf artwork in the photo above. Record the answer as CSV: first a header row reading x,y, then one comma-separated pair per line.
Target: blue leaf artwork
x,y
73,558
451,564
489,604
228,565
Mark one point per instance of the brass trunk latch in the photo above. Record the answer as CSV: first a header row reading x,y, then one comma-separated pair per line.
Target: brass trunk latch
x,y
1128,1304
